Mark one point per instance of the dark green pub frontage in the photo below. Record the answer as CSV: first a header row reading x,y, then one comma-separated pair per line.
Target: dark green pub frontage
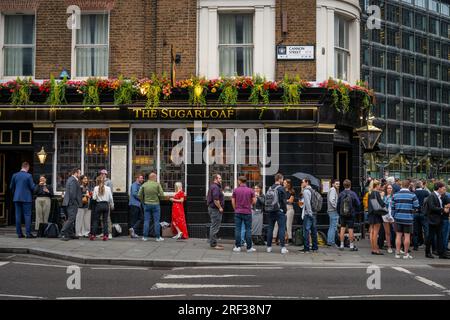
x,y
315,135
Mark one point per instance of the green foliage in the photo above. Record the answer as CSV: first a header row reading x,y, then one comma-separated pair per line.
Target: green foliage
x,y
340,96
91,94
229,94
197,92
124,92
57,94
259,93
292,89
21,92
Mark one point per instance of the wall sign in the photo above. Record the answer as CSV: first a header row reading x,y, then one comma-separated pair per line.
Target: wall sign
x,y
295,53
119,168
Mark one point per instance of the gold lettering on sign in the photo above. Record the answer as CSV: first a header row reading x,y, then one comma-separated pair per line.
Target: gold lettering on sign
x,y
183,114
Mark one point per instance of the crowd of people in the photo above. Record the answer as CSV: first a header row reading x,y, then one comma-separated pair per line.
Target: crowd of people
x,y
398,214
85,207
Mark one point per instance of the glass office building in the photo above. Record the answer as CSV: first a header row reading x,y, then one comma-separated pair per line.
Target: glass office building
x,y
407,63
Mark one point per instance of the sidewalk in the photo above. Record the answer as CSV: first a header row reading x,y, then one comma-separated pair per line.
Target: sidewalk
x,y
196,252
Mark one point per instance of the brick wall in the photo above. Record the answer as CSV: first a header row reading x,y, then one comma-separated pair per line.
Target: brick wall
x,y
142,32
301,30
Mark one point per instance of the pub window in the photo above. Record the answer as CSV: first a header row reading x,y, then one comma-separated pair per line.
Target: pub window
x,y
91,49
68,146
18,45
6,137
222,163
25,137
236,44
169,171
251,168
145,148
341,47
96,151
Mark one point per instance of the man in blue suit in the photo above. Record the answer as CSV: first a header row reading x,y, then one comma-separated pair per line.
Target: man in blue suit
x,y
22,187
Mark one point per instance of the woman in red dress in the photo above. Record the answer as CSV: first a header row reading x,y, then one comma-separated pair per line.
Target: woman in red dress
x,y
178,218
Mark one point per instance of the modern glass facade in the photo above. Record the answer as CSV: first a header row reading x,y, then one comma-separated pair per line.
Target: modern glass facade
x,y
407,63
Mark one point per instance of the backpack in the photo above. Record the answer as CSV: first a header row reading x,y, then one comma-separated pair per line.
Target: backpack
x,y
316,200
271,202
298,237
345,209
52,230
41,230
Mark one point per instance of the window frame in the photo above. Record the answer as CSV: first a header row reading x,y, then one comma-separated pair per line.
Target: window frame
x,y
236,45
2,44
345,52
75,46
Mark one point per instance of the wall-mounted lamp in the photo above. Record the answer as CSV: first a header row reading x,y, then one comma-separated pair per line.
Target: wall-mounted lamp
x,y
42,156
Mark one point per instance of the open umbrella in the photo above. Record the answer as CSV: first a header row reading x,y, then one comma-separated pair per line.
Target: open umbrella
x,y
302,175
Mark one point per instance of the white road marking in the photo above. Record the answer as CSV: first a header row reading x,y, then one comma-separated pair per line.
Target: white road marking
x,y
3,263
40,265
422,279
199,286
232,267
120,298
388,296
254,297
10,257
21,297
118,268
189,276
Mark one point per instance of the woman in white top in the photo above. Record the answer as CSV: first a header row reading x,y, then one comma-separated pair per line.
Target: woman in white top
x,y
104,202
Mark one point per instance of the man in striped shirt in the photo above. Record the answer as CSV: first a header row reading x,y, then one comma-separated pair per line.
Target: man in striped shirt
x,y
404,205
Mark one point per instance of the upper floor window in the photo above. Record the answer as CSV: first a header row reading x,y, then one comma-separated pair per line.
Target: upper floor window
x,y
18,45
341,47
91,50
236,44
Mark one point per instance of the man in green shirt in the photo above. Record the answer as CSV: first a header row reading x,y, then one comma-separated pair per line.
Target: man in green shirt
x,y
150,194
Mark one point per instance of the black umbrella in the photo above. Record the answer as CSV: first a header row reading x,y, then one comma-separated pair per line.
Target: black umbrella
x,y
302,175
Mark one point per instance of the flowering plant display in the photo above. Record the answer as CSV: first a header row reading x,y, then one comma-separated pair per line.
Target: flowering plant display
x,y
20,90
56,91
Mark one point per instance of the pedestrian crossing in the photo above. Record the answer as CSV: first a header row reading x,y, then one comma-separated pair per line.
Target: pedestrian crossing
x,y
3,263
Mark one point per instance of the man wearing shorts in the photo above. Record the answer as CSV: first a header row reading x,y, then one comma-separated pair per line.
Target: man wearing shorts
x,y
404,205
347,221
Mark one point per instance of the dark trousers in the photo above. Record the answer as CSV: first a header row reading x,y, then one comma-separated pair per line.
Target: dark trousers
x,y
69,226
435,231
280,218
101,209
420,230
23,208
136,217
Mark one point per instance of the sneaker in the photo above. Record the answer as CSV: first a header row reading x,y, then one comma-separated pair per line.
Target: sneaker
x,y
284,250
237,249
105,238
354,249
131,233
269,249
144,239
177,236
159,239
402,252
397,255
110,236
341,248
251,250
305,251
407,256
91,237
390,250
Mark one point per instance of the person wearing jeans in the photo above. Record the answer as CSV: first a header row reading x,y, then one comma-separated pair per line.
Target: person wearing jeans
x,y
150,194
242,200
135,206
310,226
279,215
332,199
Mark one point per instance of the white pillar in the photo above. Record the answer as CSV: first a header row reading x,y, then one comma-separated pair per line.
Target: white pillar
x,y
213,43
321,43
258,32
203,42
355,49
330,44
269,43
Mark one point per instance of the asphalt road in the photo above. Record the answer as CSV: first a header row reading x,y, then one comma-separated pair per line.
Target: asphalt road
x,y
30,277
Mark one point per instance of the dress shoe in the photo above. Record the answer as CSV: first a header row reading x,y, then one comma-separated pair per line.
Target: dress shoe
x,y
75,237
435,253
65,238
20,236
429,255
31,236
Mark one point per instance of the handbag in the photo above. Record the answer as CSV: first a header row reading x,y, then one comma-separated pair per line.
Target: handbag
x,y
377,208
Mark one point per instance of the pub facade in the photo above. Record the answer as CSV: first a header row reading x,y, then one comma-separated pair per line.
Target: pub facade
x,y
185,89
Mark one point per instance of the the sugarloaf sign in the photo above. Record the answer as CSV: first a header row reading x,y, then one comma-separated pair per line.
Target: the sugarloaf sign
x,y
184,113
